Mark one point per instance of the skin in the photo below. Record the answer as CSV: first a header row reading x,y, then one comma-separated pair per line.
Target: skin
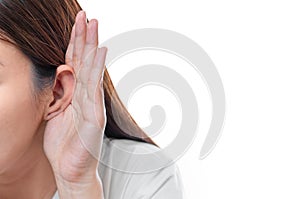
x,y
42,147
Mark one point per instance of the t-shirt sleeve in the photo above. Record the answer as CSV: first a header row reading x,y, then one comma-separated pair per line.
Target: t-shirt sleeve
x,y
161,184
141,182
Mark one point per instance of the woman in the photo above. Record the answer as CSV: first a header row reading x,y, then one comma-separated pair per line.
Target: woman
x,y
58,129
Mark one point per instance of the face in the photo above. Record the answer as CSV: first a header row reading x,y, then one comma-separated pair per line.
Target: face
x,y
20,116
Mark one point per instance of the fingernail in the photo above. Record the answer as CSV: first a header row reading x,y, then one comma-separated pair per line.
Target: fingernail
x,y
81,14
95,25
92,31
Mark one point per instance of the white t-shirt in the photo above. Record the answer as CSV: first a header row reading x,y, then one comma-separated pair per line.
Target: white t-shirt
x,y
130,170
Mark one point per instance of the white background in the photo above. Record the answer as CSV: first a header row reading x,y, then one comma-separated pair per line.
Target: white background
x,y
255,46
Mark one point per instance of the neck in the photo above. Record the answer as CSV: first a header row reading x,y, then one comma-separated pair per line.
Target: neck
x,y
31,176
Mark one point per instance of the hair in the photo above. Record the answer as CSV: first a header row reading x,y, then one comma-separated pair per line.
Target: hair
x,y
41,29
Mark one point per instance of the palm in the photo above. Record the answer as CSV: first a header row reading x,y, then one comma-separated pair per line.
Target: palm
x,y
73,139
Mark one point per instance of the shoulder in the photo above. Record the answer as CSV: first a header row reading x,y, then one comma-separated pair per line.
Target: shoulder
x,y
136,169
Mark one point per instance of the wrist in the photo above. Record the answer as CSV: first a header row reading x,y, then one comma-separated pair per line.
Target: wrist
x,y
91,188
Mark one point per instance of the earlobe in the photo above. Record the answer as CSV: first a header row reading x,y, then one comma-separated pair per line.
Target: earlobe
x,y
62,91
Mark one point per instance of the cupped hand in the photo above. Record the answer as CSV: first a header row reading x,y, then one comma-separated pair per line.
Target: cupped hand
x,y
73,139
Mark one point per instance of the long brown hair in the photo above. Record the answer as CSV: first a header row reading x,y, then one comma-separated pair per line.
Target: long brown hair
x,y
41,29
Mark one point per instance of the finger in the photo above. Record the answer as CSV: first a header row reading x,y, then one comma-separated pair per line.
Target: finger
x,y
69,53
80,36
90,49
99,65
97,72
97,76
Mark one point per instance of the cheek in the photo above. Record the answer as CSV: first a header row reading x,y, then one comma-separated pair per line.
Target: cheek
x,y
18,121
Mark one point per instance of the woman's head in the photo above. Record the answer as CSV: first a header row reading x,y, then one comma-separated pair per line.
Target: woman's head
x,y
34,37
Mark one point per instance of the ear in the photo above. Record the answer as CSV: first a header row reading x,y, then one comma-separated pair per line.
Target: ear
x,y
62,91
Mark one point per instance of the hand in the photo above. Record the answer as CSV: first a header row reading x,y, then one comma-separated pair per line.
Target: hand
x,y
73,139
